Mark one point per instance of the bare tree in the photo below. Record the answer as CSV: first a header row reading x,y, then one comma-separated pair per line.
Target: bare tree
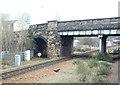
x,y
6,31
22,37
15,40
7,36
23,16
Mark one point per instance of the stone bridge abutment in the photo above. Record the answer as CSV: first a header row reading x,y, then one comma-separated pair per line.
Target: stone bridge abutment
x,y
66,45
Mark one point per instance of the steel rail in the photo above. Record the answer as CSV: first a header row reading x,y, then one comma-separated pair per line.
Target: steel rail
x,y
8,74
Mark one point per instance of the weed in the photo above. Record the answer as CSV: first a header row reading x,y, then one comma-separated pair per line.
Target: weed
x,y
105,64
103,70
76,62
83,78
100,56
82,69
103,57
110,60
93,62
96,79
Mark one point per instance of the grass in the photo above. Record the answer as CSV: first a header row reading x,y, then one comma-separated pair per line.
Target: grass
x,y
93,74
83,78
7,66
26,62
103,70
82,68
33,61
92,63
87,71
81,72
76,62
100,56
105,64
96,79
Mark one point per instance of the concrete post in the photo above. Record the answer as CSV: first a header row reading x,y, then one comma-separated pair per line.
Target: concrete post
x,y
102,43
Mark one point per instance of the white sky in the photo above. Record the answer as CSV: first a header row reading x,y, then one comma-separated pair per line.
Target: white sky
x,y
42,11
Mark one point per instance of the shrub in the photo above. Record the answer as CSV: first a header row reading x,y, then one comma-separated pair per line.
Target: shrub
x,y
105,64
96,79
82,68
83,78
110,60
92,63
76,62
103,57
100,56
103,70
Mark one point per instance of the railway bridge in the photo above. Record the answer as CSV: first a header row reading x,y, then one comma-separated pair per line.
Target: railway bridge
x,y
55,38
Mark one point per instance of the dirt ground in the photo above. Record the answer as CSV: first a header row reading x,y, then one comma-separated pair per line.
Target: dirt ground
x,y
46,74
41,75
114,75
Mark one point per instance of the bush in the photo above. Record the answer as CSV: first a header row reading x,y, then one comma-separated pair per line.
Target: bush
x,y
103,70
105,64
103,57
96,79
100,56
92,63
82,69
83,78
76,62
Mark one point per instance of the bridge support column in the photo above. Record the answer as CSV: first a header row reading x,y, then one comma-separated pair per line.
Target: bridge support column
x,y
53,39
102,43
66,46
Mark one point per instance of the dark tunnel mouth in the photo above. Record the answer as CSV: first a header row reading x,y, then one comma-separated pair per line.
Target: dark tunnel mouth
x,y
41,46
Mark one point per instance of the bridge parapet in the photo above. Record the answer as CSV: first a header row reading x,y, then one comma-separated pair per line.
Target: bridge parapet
x,y
39,29
91,24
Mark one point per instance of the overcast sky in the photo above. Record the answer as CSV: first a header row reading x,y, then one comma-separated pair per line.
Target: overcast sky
x,y
42,11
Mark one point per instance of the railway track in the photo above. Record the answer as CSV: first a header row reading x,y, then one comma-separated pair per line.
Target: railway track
x,y
27,69
8,74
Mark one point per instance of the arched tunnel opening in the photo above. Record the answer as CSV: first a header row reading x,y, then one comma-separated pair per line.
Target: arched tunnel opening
x,y
41,46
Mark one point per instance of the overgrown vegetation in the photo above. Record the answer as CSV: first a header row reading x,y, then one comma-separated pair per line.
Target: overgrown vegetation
x,y
82,68
96,79
14,34
102,57
92,63
92,70
26,62
103,70
83,78
105,64
15,37
33,61
84,71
